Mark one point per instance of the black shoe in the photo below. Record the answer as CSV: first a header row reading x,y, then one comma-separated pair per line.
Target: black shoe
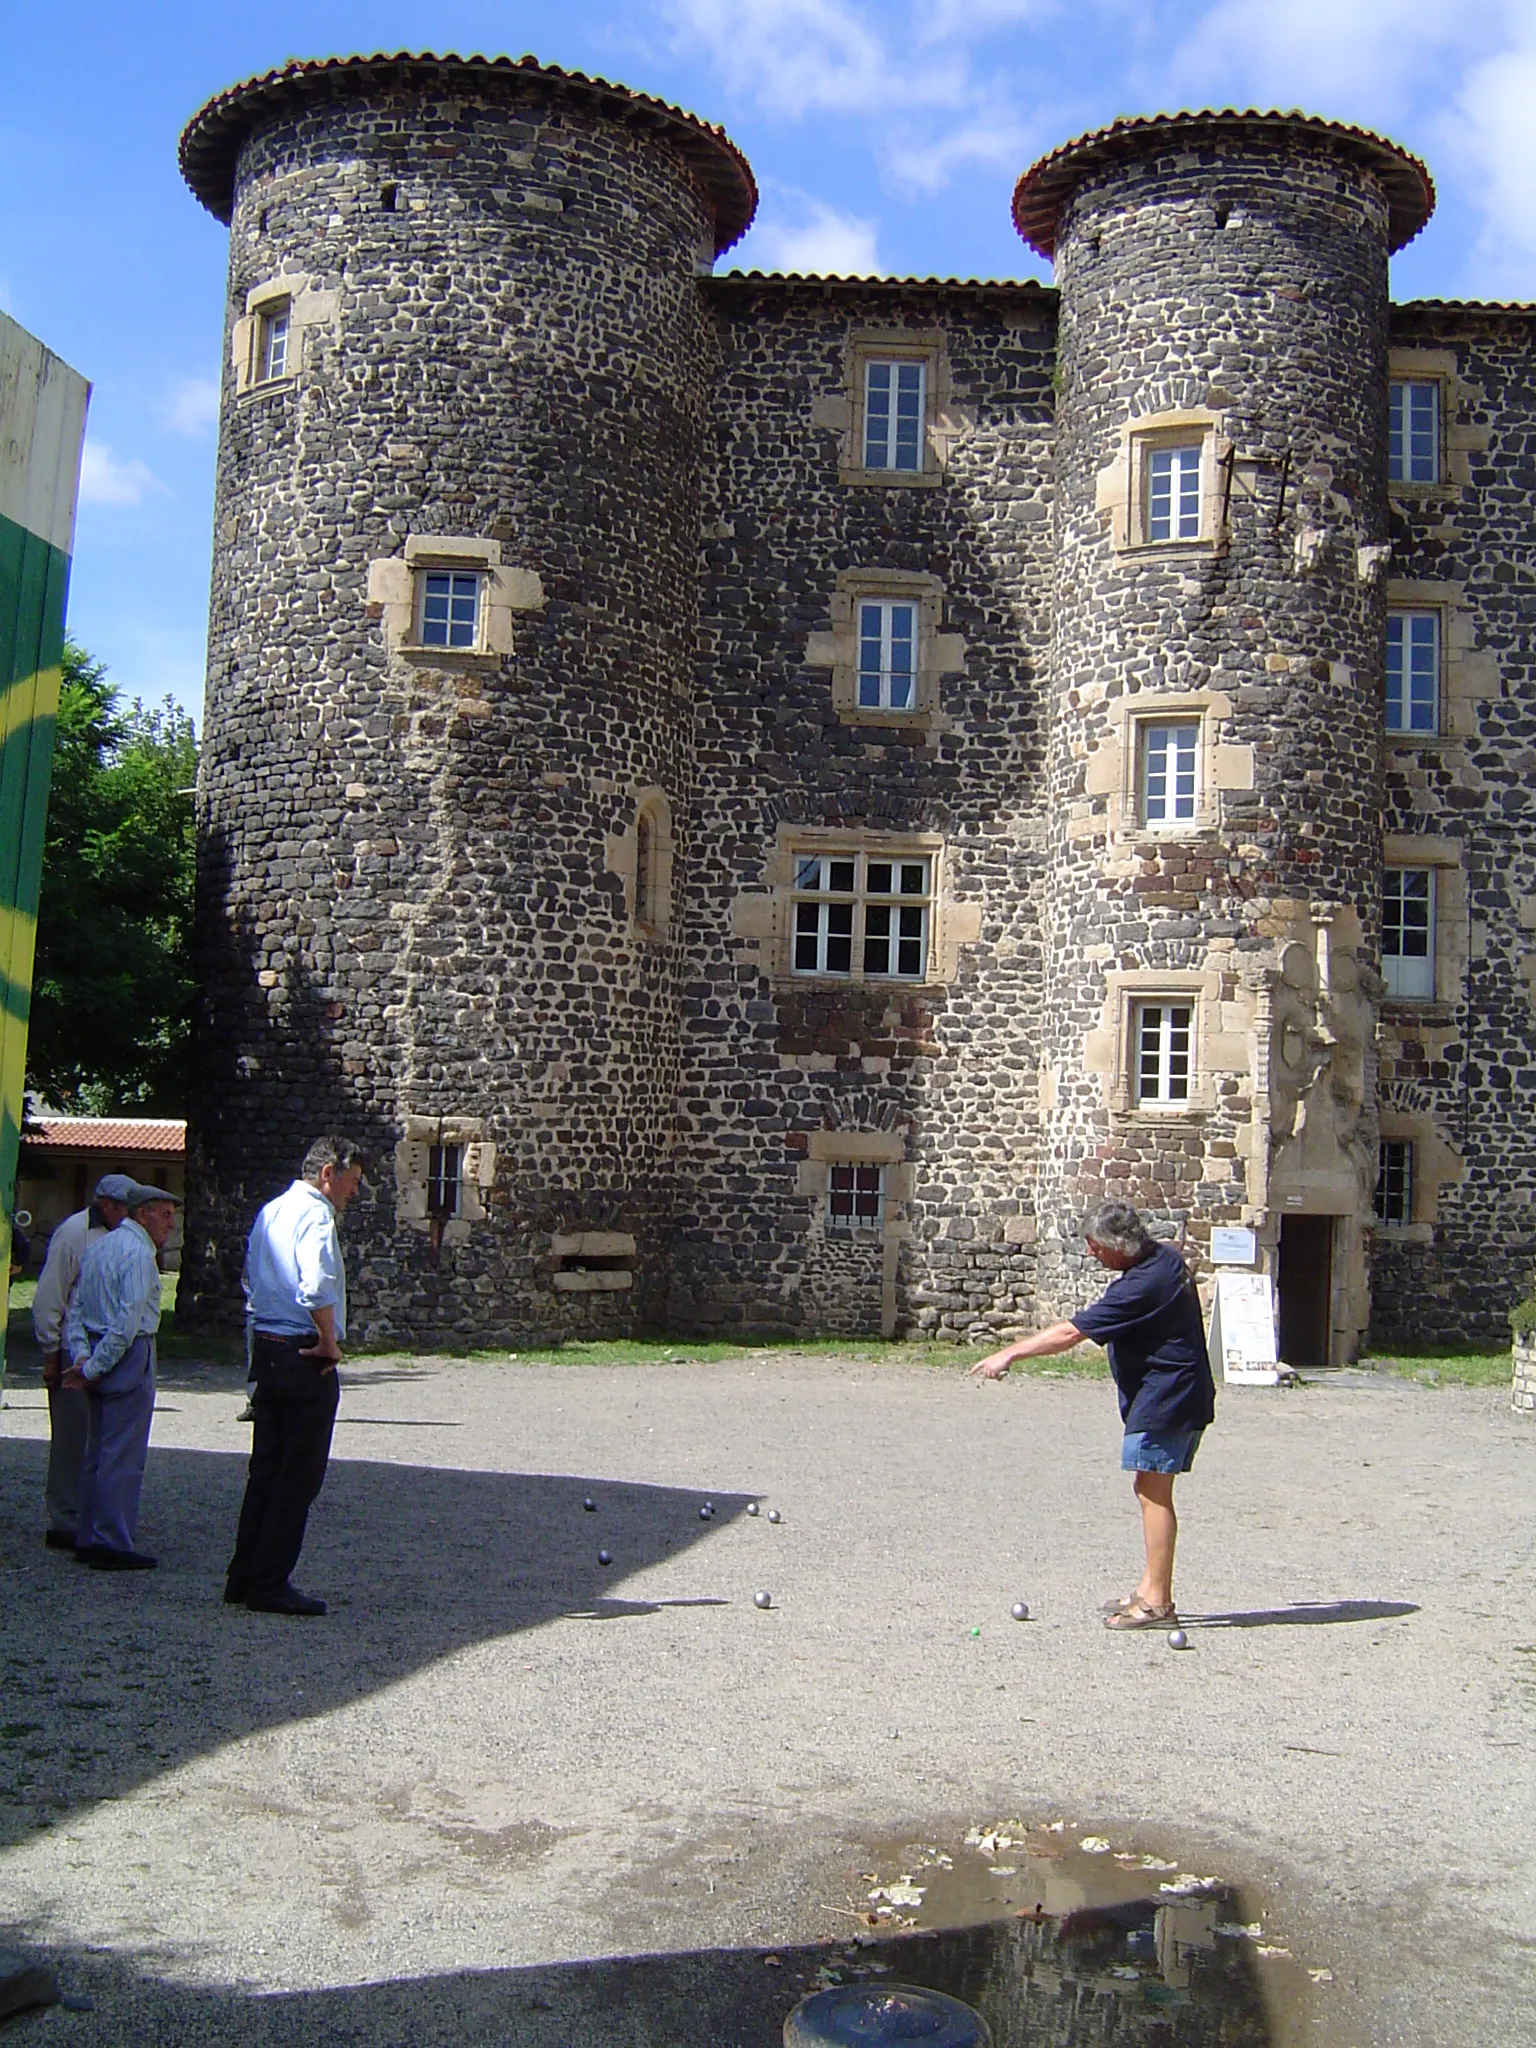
x,y
87,1553
107,1560
286,1600
234,1592
59,1539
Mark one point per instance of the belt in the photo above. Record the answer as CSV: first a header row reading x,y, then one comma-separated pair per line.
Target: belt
x,y
287,1340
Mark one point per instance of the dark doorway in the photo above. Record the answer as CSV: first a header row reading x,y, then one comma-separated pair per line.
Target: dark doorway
x,y
1306,1289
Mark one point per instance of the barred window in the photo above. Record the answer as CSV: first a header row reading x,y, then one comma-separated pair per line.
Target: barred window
x,y
855,1197
1169,754
895,398
1413,438
862,915
450,608
1413,671
272,337
1408,932
1173,492
1164,1035
1394,1181
887,656
445,1175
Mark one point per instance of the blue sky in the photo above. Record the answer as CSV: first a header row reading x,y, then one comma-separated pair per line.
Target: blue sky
x,y
886,135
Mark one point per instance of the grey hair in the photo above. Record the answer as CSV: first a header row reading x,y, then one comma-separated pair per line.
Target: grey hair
x,y
1117,1227
338,1153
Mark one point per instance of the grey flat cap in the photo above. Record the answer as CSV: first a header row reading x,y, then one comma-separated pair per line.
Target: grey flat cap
x,y
140,1194
114,1187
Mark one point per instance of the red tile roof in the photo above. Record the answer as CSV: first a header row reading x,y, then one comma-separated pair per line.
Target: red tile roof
x,y
1046,187
160,1137
212,139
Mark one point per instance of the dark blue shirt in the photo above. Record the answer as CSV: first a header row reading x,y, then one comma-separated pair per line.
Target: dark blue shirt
x,y
1149,1317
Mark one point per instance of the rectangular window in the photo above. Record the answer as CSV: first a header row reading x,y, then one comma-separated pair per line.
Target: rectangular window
x,y
1394,1181
1413,438
855,1197
1408,932
887,657
1168,771
894,400
1413,671
450,608
1173,492
444,1173
861,915
1163,1039
272,343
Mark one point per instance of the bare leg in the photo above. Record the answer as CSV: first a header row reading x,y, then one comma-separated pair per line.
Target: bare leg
x,y
1160,1531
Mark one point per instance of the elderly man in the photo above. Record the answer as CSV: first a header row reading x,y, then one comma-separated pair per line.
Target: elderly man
x,y
68,1406
296,1286
109,1336
1149,1317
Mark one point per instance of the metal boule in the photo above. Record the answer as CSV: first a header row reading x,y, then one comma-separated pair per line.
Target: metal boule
x,y
590,1505
605,1557
1020,1610
774,1515
762,1599
1177,1640
751,1507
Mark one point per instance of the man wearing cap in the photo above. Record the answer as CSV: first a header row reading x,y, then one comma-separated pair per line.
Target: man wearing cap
x,y
109,1336
67,1406
296,1286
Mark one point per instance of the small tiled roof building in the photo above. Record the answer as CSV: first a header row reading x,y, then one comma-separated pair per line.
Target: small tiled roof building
x,y
759,799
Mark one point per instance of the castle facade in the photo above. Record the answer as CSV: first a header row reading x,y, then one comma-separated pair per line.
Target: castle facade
x,y
761,798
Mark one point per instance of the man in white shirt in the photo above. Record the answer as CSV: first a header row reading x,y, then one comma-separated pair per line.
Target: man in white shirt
x,y
109,1336
67,1406
296,1286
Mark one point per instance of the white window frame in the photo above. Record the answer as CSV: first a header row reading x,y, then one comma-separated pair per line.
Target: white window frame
x,y
1176,807
1408,977
856,1196
1403,622
887,451
1163,1068
1402,1196
1184,520
454,574
1406,463
275,341
833,907
885,675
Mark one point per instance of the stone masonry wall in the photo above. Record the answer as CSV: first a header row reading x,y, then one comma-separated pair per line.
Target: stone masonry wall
x,y
1242,285
407,903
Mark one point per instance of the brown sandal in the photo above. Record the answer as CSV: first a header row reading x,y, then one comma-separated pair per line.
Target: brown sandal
x,y
1119,1606
1138,1615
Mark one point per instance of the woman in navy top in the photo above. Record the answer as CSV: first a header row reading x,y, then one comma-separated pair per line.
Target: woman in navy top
x,y
1149,1318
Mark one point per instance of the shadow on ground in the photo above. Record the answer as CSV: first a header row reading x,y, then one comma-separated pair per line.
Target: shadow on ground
x,y
1120,1974
106,1680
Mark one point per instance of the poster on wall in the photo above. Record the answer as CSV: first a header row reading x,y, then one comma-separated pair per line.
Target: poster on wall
x,y
1242,1336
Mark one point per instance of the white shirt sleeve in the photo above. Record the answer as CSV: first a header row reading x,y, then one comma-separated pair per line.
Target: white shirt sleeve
x,y
318,1256
56,1282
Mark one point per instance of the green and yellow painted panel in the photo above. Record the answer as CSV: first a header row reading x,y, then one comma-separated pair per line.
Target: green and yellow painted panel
x,y
42,426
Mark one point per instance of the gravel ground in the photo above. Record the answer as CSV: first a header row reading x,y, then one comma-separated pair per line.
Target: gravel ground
x,y
496,1760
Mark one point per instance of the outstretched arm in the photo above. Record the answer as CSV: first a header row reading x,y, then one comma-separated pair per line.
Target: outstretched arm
x,y
1059,1337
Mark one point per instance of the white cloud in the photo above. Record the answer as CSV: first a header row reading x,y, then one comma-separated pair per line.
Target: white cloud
x,y
815,239
1355,58
1491,138
104,480
192,407
797,57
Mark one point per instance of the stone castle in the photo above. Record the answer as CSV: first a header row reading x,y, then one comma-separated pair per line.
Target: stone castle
x,y
759,798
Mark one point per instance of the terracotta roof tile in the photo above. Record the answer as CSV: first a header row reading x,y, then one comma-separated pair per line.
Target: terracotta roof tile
x,y
211,140
165,1137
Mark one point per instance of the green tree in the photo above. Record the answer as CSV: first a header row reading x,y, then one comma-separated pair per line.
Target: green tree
x,y
112,987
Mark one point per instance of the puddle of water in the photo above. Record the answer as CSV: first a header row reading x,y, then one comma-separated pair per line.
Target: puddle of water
x,y
1057,1936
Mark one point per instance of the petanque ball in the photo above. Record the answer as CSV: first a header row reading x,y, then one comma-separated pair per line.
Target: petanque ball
x,y
751,1507
1019,1611
1177,1640
590,1505
762,1599
605,1557
703,1514
773,1515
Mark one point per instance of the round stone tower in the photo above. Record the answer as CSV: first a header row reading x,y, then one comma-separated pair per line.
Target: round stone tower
x,y
1218,644
453,632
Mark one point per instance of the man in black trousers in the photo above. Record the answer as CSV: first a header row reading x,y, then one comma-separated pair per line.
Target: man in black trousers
x,y
296,1286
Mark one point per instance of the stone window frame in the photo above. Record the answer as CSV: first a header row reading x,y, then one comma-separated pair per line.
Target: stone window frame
x,y
1436,1166
843,412
938,653
1410,1182
1114,767
396,584
307,308
887,1149
1451,926
477,1173
1120,492
860,899
1219,1044
572,1253
1459,439
1468,673
652,808
762,920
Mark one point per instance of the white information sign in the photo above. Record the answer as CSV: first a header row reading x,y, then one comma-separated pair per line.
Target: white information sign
x,y
1242,1335
1233,1247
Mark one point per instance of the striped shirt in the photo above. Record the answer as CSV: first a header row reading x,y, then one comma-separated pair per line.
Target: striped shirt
x,y
116,1299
